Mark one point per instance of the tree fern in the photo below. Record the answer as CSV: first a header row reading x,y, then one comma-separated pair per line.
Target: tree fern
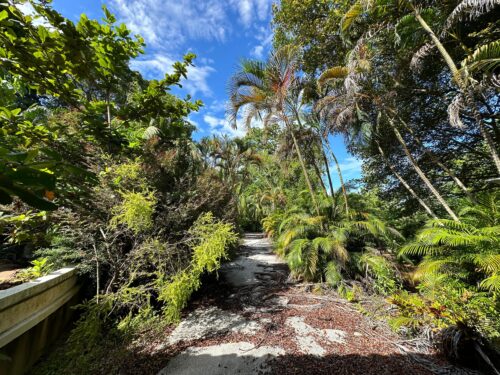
x,y
467,250
491,283
471,9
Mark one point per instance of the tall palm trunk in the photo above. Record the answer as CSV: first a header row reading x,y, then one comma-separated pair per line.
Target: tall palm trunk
x,y
302,164
327,167
320,177
437,161
421,173
462,85
339,172
405,184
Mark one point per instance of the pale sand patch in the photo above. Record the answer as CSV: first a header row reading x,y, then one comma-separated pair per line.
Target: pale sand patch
x,y
204,323
233,358
308,338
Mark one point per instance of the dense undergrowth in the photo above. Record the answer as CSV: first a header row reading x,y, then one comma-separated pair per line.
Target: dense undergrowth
x,y
98,168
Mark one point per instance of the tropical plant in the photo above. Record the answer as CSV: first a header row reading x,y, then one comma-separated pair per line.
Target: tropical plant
x,y
270,91
465,251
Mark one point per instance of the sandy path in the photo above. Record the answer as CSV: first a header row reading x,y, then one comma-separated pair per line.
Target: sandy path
x,y
264,325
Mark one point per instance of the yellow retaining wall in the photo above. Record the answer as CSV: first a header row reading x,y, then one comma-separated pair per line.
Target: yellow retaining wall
x,y
32,316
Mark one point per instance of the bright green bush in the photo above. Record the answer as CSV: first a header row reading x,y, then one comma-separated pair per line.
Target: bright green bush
x,y
381,271
211,240
135,211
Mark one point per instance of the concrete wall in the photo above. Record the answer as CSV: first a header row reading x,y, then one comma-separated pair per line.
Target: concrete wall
x,y
32,316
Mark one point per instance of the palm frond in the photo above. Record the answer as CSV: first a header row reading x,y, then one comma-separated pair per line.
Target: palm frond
x,y
337,72
294,257
331,246
484,59
351,15
471,9
333,276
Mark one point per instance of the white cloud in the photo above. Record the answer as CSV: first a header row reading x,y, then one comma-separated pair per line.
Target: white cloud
x,y
351,167
258,52
264,37
167,24
159,64
221,126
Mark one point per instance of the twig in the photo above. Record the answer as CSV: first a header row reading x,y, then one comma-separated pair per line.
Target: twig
x,y
97,272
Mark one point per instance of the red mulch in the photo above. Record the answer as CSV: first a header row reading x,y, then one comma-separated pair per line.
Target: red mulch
x,y
372,352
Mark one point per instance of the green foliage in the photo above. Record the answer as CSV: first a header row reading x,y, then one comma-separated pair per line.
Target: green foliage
x,y
382,271
466,251
135,211
40,267
211,241
450,305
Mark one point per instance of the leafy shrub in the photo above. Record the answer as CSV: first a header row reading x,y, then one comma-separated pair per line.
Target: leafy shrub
x,y
381,270
450,305
211,240
135,211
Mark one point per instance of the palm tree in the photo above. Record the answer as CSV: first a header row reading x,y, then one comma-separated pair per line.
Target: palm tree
x,y
341,109
315,247
485,58
268,92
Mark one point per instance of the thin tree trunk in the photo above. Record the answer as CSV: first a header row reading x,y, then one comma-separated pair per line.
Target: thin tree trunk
x,y
421,173
318,174
437,161
304,169
339,172
97,274
108,109
405,184
327,167
468,95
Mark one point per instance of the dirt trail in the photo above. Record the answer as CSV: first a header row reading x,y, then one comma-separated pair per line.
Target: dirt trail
x,y
263,324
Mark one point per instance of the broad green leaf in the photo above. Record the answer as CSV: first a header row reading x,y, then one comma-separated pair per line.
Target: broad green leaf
x,y
3,15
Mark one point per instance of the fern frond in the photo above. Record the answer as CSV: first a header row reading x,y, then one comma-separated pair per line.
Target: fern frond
x,y
431,267
421,249
486,262
454,109
416,63
151,132
491,284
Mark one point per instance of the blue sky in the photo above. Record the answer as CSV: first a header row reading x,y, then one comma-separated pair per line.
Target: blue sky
x,y
219,32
